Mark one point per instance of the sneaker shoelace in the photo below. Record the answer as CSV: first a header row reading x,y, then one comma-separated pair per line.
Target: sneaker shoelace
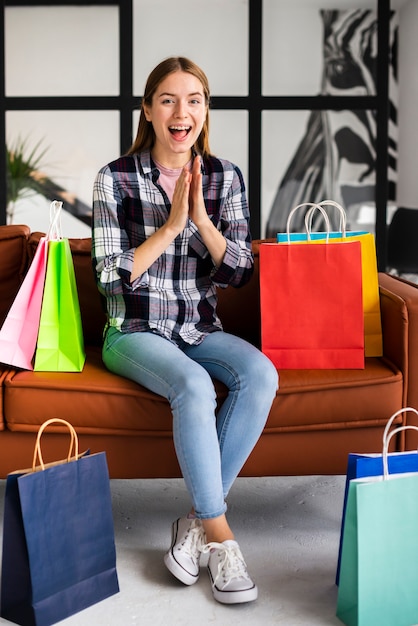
x,y
231,564
194,540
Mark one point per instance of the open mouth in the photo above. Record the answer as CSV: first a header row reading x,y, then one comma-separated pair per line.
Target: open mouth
x,y
180,132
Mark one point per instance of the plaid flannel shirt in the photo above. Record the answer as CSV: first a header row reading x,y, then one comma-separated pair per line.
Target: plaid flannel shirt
x,y
176,296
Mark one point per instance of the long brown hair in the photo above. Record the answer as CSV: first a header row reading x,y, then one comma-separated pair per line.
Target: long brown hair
x,y
145,136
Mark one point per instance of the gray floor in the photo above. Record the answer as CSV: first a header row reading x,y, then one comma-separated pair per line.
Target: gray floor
x,y
288,529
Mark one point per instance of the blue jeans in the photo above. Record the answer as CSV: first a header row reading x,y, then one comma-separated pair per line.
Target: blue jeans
x,y
211,448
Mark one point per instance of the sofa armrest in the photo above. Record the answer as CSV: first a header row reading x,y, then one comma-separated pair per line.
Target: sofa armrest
x,y
14,264
399,309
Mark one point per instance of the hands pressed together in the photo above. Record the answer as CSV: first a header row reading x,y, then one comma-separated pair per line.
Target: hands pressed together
x,y
188,199
188,202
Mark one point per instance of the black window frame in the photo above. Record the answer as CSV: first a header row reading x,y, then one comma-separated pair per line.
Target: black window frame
x,y
255,103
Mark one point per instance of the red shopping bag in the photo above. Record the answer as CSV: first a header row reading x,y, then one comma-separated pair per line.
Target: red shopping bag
x,y
19,332
373,341
311,304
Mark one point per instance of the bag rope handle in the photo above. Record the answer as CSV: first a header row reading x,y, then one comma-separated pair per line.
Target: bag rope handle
x,y
73,443
394,416
343,216
55,230
313,206
386,447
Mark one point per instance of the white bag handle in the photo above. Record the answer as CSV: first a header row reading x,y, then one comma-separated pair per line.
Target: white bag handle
x,y
386,447
343,216
313,206
394,416
73,444
55,231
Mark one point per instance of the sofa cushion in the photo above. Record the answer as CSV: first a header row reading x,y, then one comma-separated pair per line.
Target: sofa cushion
x,y
102,402
337,399
239,308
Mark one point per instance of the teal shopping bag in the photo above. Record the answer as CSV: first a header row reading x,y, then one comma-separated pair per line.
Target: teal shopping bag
x,y
379,559
60,345
363,465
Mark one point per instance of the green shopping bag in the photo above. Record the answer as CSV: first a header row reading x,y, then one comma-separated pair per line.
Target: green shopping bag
x,y
379,559
60,345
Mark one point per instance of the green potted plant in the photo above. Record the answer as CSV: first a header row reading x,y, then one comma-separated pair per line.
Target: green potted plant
x,y
24,177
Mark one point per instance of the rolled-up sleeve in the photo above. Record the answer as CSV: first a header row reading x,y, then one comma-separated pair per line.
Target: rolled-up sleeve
x,y
111,251
238,263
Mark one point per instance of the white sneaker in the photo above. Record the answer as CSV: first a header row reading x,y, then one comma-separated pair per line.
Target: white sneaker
x,y
231,583
183,557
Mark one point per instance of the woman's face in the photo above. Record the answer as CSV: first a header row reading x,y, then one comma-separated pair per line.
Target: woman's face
x,y
177,113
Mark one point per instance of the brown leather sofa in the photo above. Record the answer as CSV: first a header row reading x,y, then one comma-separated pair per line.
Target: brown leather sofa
x,y
317,418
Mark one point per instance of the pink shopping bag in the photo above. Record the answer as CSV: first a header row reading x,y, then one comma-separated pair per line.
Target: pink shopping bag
x,y
19,332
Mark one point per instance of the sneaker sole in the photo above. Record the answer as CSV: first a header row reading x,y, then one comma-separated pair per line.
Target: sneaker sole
x,y
235,597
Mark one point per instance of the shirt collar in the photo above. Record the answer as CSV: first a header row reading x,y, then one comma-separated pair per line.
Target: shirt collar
x,y
147,165
149,168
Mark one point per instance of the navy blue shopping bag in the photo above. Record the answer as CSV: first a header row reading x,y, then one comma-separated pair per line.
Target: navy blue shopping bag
x,y
58,540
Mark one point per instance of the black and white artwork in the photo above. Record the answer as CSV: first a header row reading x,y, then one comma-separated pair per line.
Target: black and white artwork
x,y
336,155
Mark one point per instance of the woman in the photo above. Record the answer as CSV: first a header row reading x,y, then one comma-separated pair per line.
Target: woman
x,y
170,225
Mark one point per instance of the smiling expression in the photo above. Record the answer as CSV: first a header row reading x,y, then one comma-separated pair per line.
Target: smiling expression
x,y
177,113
